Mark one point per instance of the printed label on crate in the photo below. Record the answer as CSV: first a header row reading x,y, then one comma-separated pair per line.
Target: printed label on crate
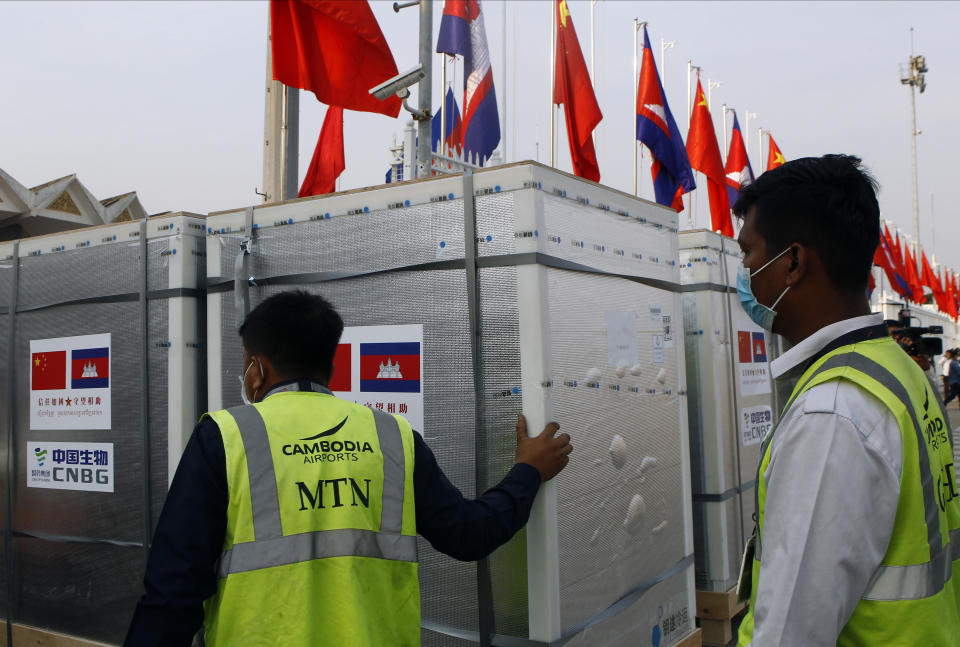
x,y
622,346
755,422
70,466
671,621
382,367
70,382
658,349
667,332
752,364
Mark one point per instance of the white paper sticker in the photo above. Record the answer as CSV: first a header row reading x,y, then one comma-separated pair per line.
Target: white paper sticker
x,y
656,317
70,466
755,422
658,349
622,346
70,382
752,364
667,332
382,367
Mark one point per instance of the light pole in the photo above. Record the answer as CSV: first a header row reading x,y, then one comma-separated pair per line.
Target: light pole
x,y
913,74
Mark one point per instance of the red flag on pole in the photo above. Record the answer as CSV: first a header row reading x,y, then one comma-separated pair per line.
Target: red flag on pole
x,y
774,157
913,278
335,49
704,153
327,163
573,89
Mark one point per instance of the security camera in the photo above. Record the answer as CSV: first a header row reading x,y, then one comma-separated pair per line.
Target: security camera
x,y
398,83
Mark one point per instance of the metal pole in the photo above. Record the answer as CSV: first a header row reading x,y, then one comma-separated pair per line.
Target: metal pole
x,y
690,218
442,146
913,159
553,76
760,146
503,64
724,151
636,80
593,4
291,141
664,46
272,146
424,88
933,228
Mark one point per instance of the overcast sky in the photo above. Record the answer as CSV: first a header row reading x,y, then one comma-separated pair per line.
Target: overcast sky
x,y
167,98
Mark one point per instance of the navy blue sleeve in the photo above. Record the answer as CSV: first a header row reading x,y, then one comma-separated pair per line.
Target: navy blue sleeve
x,y
464,529
181,569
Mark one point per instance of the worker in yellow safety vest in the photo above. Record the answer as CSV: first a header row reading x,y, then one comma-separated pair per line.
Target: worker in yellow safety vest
x,y
857,539
293,518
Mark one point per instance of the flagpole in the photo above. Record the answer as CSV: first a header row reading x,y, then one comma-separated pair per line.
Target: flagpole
x,y
690,219
760,146
636,31
272,147
664,46
442,145
724,151
553,74
503,57
593,77
425,89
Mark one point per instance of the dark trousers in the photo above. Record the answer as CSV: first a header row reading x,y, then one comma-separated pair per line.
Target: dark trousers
x,y
953,390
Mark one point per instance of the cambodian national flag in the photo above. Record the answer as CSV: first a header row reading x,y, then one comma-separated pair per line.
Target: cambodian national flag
x,y
90,368
392,367
462,32
738,171
759,347
657,130
452,131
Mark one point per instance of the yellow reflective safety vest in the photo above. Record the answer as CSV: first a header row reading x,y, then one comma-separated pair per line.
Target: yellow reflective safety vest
x,y
913,597
320,545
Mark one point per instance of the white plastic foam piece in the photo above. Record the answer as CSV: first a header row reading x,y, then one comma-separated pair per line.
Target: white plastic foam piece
x,y
660,527
662,376
622,368
636,370
647,463
633,522
618,451
593,376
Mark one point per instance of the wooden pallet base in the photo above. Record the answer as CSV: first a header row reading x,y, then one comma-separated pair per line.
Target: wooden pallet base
x,y
692,640
25,636
716,612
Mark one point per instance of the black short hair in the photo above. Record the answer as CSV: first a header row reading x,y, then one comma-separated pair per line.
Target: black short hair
x,y
297,331
828,203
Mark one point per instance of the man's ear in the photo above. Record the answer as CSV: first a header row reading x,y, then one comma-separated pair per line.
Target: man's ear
x,y
801,258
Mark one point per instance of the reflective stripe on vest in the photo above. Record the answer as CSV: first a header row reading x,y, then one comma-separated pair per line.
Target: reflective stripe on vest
x,y
890,583
270,548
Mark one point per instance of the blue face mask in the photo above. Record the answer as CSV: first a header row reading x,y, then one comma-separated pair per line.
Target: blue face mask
x,y
759,313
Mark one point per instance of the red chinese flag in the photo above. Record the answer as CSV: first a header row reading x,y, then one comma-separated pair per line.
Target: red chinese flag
x,y
743,347
926,274
342,379
774,157
704,154
913,278
49,370
327,163
335,49
573,89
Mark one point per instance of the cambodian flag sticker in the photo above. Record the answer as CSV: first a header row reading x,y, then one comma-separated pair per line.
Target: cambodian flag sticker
x,y
390,367
90,368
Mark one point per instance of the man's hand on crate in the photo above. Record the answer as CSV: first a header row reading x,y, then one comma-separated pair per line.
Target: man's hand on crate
x,y
548,453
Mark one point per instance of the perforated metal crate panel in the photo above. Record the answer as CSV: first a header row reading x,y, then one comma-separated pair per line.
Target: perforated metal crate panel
x,y
601,558
78,556
605,549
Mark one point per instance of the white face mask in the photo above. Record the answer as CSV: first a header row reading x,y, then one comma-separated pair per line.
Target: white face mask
x,y
243,383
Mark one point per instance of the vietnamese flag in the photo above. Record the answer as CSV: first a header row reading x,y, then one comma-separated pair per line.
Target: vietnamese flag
x,y
774,157
48,370
573,88
705,157
327,163
335,49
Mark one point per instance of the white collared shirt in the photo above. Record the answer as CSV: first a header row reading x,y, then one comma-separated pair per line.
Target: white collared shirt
x,y
833,483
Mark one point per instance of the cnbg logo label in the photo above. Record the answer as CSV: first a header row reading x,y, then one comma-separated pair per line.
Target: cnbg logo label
x,y
314,450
